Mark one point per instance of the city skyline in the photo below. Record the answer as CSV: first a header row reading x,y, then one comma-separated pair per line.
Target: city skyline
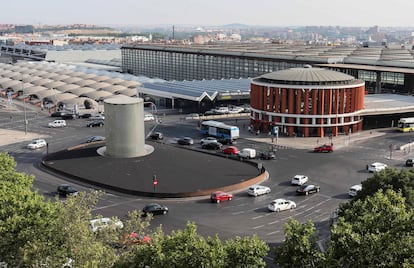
x,y
214,12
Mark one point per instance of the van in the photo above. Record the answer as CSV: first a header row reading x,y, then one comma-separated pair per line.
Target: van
x,y
353,191
148,117
57,123
247,153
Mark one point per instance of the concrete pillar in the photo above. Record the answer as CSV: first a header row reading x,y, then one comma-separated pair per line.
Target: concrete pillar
x,y
124,127
378,82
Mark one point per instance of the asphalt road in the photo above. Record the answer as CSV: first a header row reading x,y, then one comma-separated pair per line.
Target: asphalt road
x,y
244,215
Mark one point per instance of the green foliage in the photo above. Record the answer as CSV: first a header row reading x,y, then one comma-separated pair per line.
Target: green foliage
x,y
300,248
375,232
245,252
185,248
395,179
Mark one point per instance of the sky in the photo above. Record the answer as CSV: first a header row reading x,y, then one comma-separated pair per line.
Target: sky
x,y
361,13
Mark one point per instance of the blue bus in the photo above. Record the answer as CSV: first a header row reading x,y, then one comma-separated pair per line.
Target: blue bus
x,y
219,130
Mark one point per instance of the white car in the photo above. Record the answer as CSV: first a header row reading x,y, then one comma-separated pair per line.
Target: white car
x,y
208,140
299,179
101,223
57,123
377,166
36,144
281,204
256,190
353,191
148,117
97,117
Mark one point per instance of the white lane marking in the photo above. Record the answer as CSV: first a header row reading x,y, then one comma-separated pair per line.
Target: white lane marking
x,y
237,213
299,213
257,227
273,222
310,208
275,232
115,204
257,217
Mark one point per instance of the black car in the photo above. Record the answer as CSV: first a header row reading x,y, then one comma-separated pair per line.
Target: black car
x,y
155,209
307,189
212,146
157,136
267,155
409,162
226,141
95,123
84,115
68,116
58,114
94,139
65,190
185,141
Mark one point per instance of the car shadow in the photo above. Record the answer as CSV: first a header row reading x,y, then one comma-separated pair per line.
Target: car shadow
x,y
286,183
262,210
342,197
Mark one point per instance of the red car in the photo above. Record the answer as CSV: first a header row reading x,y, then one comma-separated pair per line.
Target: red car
x,y
326,148
219,196
231,150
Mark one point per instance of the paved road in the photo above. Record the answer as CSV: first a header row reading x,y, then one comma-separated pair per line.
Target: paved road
x,y
244,215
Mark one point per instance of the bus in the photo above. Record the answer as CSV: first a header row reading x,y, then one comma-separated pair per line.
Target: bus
x,y
219,130
406,124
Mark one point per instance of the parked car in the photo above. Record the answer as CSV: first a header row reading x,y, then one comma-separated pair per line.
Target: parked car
x,y
299,179
94,139
256,190
185,141
68,116
57,123
377,166
353,191
207,140
36,144
219,196
280,204
325,148
154,209
307,189
86,115
95,123
157,136
268,155
212,146
231,150
409,162
65,190
58,114
96,225
247,153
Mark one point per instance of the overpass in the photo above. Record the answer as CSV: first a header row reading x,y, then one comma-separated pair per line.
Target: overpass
x,y
23,52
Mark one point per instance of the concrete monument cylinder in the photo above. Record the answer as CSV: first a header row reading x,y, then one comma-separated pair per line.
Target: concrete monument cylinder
x,y
124,127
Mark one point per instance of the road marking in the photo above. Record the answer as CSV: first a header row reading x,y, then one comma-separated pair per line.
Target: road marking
x,y
316,211
257,227
258,217
275,232
310,208
299,213
237,213
273,222
115,204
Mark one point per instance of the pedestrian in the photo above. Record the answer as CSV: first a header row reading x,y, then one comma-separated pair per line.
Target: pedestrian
x,y
11,118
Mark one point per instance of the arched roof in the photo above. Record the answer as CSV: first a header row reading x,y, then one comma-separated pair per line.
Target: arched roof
x,y
42,81
31,78
34,89
8,84
97,95
114,88
131,92
61,77
66,87
114,81
81,91
84,83
306,75
20,86
130,84
55,98
54,84
80,101
64,71
101,78
4,79
99,85
45,93
87,76
3,72
50,75
72,80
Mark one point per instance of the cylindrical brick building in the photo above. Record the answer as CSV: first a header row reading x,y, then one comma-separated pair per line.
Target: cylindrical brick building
x,y
307,102
124,127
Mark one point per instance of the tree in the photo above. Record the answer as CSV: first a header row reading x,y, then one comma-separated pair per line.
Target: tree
x,y
245,252
375,232
299,248
185,248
